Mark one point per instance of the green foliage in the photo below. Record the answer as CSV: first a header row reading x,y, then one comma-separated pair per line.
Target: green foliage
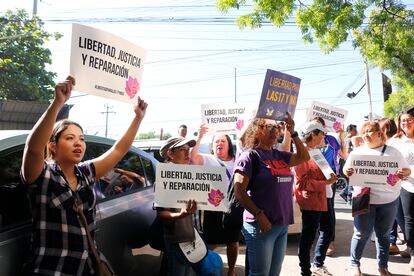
x,y
385,40
388,42
152,135
23,58
399,101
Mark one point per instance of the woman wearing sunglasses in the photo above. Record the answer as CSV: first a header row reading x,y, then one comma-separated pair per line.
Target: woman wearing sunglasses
x,y
263,185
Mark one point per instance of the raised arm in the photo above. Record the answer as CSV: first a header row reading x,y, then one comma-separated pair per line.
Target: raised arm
x,y
302,154
342,152
286,143
109,159
33,154
196,158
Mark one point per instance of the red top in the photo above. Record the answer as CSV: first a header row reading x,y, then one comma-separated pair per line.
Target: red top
x,y
310,182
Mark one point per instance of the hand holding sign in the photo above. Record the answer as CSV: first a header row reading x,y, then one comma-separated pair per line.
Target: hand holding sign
x,y
349,172
202,131
289,123
63,90
332,179
190,209
140,108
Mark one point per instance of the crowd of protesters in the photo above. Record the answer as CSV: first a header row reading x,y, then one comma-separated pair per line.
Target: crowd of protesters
x,y
267,176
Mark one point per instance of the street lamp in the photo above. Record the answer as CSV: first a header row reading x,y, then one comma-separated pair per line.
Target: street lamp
x,y
353,94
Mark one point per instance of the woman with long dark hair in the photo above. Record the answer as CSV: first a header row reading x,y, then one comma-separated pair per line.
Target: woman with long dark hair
x,y
404,142
63,187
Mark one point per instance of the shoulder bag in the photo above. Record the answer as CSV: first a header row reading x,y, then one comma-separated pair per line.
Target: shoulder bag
x,y
101,267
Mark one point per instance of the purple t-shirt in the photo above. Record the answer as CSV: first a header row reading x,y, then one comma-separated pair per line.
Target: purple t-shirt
x,y
271,189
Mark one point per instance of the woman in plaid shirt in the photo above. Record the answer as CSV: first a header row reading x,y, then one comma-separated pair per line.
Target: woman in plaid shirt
x,y
59,242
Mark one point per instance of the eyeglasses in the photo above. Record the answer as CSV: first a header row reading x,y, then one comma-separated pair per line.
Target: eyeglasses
x,y
270,127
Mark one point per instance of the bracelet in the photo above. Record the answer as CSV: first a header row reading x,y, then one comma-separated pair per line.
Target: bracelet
x,y
294,134
258,213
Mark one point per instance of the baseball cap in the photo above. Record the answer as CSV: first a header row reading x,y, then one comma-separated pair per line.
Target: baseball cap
x,y
175,142
313,125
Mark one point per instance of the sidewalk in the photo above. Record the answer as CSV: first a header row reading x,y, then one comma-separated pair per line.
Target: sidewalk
x,y
339,263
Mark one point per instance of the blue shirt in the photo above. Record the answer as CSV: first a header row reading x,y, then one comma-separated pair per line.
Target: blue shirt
x,y
331,152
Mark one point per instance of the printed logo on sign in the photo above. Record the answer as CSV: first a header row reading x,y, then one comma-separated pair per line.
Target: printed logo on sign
x,y
239,124
132,87
392,179
215,197
337,125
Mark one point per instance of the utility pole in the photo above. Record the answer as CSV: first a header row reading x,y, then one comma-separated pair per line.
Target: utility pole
x,y
369,91
34,8
107,113
235,84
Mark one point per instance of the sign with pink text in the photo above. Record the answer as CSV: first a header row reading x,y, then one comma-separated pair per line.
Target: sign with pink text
x,y
226,118
176,184
333,116
106,65
373,171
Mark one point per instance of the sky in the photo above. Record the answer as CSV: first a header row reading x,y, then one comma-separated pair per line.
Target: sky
x,y
197,55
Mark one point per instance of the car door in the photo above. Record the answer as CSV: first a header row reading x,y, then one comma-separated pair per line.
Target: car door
x,y
15,214
124,212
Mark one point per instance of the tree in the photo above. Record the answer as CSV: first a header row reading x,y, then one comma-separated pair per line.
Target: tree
x,y
152,135
386,40
399,101
23,58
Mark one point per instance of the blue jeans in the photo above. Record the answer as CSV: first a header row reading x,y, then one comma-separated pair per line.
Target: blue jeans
x,y
407,201
380,217
398,221
265,252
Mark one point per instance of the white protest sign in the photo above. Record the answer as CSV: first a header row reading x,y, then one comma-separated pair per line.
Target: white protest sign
x,y
105,65
224,118
373,171
320,160
176,184
334,117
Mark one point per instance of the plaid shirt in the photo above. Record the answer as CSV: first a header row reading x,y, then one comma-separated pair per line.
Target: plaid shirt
x,y
59,242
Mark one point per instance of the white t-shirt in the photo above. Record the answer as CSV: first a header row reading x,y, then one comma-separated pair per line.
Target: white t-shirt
x,y
212,161
383,194
406,146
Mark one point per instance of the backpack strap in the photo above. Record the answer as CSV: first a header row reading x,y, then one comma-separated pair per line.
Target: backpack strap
x,y
224,165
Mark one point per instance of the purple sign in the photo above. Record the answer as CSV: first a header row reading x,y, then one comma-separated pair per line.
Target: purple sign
x,y
279,95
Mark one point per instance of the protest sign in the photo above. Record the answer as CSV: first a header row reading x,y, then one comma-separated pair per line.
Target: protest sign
x,y
176,184
105,65
373,171
320,160
224,118
334,117
279,95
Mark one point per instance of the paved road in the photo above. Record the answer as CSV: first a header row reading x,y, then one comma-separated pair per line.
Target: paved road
x,y
339,263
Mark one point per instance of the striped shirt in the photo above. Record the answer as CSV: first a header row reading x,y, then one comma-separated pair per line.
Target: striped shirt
x,y
59,242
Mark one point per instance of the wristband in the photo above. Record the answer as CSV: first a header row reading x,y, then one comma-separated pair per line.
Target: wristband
x,y
294,134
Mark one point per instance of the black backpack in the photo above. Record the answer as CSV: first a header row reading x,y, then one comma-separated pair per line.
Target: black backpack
x,y
233,218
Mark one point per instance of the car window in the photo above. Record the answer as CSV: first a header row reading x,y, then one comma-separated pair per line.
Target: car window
x,y
131,173
14,202
149,171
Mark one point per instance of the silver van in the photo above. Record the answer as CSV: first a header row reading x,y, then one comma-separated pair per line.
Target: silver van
x,y
124,209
